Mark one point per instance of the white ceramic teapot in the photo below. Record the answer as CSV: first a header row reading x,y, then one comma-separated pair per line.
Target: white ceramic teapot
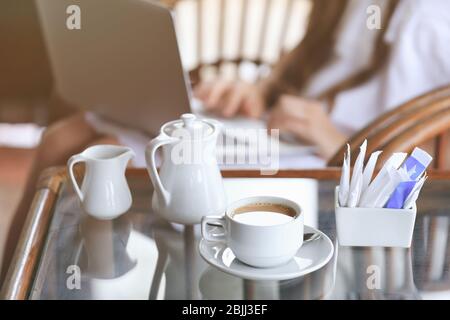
x,y
189,184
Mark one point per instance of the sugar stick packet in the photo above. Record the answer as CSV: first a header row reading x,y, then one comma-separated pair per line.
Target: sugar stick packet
x,y
368,170
415,165
357,177
396,176
370,195
344,184
399,195
414,193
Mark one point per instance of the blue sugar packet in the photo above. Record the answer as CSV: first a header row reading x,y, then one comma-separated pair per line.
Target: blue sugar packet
x,y
415,165
400,194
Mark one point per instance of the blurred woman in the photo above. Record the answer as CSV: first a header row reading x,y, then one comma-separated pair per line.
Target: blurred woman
x,y
344,74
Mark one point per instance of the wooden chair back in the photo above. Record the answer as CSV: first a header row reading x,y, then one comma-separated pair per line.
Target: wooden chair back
x,y
242,13
413,123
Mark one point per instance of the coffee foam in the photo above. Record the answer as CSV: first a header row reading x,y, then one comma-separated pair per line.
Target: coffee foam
x,y
262,218
264,214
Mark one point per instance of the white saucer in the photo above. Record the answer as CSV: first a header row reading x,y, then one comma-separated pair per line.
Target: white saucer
x,y
310,257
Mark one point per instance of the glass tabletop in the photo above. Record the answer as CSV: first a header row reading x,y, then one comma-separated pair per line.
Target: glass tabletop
x,y
141,256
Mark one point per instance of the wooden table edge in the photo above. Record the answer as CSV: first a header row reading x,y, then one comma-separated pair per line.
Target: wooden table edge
x,y
20,274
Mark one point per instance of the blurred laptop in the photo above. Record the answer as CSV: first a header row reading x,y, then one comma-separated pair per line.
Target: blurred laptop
x,y
123,63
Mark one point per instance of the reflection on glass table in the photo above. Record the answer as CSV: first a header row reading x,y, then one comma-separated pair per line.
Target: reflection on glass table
x,y
141,256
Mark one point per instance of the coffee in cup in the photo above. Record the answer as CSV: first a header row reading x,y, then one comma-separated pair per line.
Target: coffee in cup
x,y
261,231
264,214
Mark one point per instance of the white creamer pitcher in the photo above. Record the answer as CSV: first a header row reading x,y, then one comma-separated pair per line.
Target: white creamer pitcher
x,y
104,192
189,184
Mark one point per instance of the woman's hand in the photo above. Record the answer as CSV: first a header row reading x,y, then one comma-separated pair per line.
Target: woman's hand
x,y
308,121
228,98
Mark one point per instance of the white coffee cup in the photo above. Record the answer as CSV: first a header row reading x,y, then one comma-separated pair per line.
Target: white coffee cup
x,y
258,241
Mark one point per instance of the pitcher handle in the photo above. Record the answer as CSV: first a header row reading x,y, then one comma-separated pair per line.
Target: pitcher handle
x,y
72,161
150,158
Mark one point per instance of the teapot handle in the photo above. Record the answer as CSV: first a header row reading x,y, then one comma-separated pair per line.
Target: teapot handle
x,y
150,153
72,161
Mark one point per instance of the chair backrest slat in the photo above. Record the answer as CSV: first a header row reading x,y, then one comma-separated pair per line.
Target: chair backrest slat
x,y
440,147
221,31
263,29
199,30
284,26
242,26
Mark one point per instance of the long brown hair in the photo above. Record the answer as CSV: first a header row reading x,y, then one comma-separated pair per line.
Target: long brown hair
x,y
316,50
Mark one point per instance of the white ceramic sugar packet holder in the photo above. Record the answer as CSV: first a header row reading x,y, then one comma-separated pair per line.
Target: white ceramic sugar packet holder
x,y
374,227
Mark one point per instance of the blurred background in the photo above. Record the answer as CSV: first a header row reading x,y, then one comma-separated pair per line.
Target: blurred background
x,y
390,86
243,37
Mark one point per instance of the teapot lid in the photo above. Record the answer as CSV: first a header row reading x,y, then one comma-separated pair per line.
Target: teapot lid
x,y
196,128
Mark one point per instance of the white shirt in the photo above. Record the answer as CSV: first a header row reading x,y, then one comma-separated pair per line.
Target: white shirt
x,y
353,49
419,36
